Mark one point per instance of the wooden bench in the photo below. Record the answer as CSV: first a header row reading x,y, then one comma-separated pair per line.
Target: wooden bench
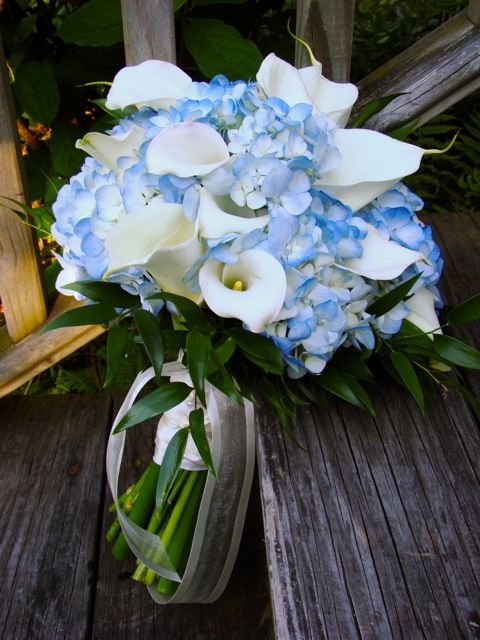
x,y
369,531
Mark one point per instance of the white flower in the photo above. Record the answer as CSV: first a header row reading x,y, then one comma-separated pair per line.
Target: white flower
x,y
280,79
422,311
153,83
158,238
252,289
215,222
186,149
107,149
381,259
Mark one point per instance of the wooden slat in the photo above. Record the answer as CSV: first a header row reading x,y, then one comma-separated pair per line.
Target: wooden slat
x,y
20,283
474,11
37,352
124,610
372,531
51,473
148,28
327,26
434,73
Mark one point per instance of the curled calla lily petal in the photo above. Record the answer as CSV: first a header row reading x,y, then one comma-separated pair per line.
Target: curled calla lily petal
x,y
107,149
370,164
280,79
422,311
215,222
264,283
153,83
186,149
381,259
158,238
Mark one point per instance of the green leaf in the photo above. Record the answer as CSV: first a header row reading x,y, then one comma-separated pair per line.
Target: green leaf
x,y
100,313
222,380
158,401
96,23
465,312
152,337
405,130
170,465
456,352
66,159
225,350
37,92
199,347
350,362
199,435
467,394
259,350
108,292
361,394
115,114
407,373
178,4
117,344
194,316
217,48
389,300
371,108
339,385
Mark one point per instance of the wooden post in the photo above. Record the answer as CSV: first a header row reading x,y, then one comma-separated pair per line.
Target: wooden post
x,y
20,283
149,30
327,26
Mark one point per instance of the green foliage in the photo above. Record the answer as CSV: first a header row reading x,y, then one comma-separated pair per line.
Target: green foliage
x,y
37,92
96,24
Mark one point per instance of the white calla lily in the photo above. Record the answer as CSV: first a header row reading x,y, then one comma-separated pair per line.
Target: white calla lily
x,y
280,79
153,83
381,259
186,149
262,279
107,149
158,238
370,164
215,222
422,311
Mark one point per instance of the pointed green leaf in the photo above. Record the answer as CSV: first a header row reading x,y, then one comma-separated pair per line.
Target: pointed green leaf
x,y
100,313
222,380
372,108
361,394
194,316
170,465
199,435
466,312
405,130
97,23
117,343
350,362
158,401
152,338
259,350
37,92
407,373
339,385
107,292
456,352
467,394
199,347
389,300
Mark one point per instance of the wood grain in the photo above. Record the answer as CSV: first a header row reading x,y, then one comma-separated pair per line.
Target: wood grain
x,y
327,26
123,608
373,531
433,74
148,28
51,473
20,282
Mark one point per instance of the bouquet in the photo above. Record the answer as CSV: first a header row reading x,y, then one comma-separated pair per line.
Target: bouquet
x,y
260,251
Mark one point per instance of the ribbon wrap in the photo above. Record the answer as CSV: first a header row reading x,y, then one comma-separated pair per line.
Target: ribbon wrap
x,y
224,502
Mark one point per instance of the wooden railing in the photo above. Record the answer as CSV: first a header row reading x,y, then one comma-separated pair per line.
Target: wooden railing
x,y
435,73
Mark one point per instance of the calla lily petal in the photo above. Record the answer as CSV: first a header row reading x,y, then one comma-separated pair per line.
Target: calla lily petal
x,y
335,99
107,149
371,163
381,259
265,286
186,149
158,238
214,222
422,311
150,83
279,79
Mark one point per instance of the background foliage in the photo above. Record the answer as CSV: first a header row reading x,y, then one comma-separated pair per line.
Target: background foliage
x,y
61,52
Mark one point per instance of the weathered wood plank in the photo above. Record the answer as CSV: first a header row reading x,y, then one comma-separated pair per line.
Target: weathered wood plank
x,y
148,28
124,610
327,26
433,74
51,473
20,283
39,351
373,531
